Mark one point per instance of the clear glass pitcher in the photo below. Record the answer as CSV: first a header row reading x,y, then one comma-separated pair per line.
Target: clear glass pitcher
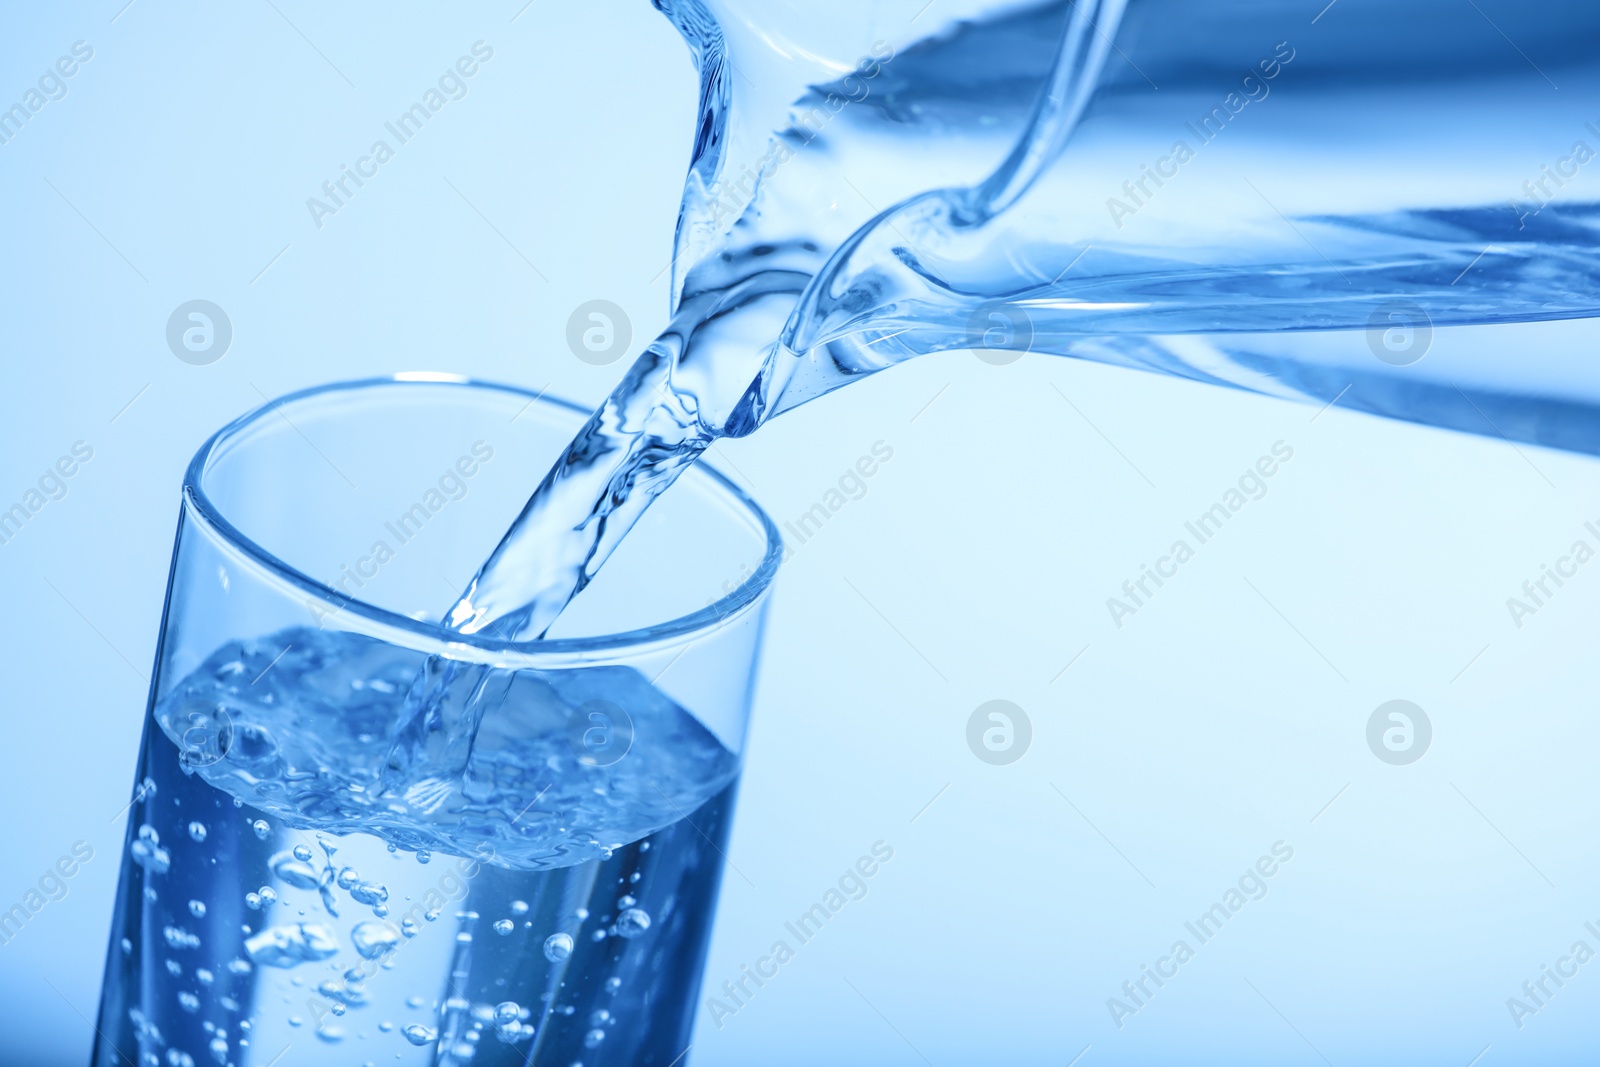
x,y
1008,177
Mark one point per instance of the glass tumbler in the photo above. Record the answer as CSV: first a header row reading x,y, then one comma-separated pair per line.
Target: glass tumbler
x,y
357,836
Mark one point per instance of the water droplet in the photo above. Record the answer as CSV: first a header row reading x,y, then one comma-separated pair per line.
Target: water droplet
x,y
519,907
262,828
197,830
197,908
289,946
373,939
633,922
418,1034
504,927
593,1038
291,870
557,947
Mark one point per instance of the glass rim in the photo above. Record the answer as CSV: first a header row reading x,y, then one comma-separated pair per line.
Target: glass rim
x,y
693,625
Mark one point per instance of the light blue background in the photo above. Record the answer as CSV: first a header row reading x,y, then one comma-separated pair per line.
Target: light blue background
x,y
976,567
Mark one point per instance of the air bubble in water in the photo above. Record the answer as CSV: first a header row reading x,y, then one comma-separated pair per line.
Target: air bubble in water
x,y
506,1012
633,922
626,901
197,830
178,937
188,1002
292,870
175,968
519,907
599,1018
262,828
557,947
423,855
348,876
239,966
219,1050
148,853
367,892
418,1034
302,853
613,984
252,901
409,927
593,1038
373,939
415,1002
289,946
197,908
268,895
325,890
504,927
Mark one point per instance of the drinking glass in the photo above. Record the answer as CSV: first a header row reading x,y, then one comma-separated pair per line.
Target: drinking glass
x,y
522,870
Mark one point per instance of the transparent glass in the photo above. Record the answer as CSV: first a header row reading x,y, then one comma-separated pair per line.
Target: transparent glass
x,y
1108,179
307,867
